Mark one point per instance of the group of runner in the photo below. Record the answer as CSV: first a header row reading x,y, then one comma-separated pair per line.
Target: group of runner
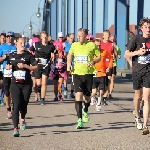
x,y
90,62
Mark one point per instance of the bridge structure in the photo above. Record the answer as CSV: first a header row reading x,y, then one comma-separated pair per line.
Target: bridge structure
x,y
70,15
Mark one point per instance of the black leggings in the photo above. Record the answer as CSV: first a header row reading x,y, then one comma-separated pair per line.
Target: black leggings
x,y
20,94
6,83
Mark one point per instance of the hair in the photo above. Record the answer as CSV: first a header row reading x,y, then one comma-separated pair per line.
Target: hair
x,y
3,34
84,30
97,40
106,31
43,32
142,21
70,34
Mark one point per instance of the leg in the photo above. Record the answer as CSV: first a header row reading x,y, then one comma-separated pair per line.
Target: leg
x,y
7,82
16,96
60,81
35,88
78,99
43,88
56,89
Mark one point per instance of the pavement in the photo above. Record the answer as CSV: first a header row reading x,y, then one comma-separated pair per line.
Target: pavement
x,y
53,126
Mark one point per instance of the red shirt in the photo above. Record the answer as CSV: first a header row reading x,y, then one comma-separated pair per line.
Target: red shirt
x,y
109,47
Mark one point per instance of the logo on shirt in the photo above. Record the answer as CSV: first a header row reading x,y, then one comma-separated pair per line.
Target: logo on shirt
x,y
39,49
12,59
146,46
23,59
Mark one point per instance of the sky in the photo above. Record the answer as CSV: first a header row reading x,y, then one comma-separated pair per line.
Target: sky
x,y
15,14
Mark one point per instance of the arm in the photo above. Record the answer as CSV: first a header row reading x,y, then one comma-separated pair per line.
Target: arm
x,y
118,51
110,60
31,68
69,61
128,60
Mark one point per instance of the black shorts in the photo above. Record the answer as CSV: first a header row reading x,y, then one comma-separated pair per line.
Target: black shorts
x,y
1,75
141,80
83,83
57,77
100,82
112,71
7,83
41,70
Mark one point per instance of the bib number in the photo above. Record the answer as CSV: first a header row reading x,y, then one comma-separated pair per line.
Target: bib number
x,y
144,59
42,61
7,73
19,74
82,59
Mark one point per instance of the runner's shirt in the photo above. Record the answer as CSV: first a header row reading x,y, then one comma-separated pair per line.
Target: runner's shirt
x,y
118,53
43,53
140,64
100,67
109,46
83,53
4,50
67,47
21,74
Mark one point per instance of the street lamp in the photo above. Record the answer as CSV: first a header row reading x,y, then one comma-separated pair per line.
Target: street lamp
x,y
50,1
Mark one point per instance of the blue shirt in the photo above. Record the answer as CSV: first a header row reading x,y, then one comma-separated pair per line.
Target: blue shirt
x,y
27,45
5,49
67,47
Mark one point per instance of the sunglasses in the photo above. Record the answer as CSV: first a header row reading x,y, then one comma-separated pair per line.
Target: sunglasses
x,y
9,36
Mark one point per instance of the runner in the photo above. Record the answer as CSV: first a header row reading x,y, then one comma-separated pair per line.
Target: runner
x,y
5,50
139,49
100,80
109,46
32,50
43,55
20,63
67,46
2,41
58,72
113,71
83,53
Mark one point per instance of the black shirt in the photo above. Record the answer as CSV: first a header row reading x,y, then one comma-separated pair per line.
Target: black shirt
x,y
42,51
21,73
140,64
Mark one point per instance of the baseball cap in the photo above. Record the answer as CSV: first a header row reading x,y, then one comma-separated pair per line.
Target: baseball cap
x,y
60,34
10,33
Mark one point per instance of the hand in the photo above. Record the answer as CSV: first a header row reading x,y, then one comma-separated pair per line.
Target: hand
x,y
8,67
119,56
107,70
69,68
130,63
141,51
90,64
21,65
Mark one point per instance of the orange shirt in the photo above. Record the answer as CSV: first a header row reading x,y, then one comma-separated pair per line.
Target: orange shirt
x,y
102,66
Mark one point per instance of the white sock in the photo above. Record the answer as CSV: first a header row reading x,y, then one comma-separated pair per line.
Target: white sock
x,y
99,100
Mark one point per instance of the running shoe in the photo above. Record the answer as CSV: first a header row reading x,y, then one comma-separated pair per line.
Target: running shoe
x,y
16,132
86,117
60,98
79,124
110,96
104,102
22,124
98,107
9,115
138,123
145,131
93,101
42,102
72,95
56,99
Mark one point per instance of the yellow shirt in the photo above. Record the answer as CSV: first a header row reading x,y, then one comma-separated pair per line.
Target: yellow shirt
x,y
83,53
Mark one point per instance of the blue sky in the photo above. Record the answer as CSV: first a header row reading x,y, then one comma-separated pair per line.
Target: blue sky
x,y
15,14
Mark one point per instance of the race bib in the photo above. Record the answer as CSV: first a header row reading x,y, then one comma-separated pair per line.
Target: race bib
x,y
107,59
82,59
144,59
42,61
7,73
19,74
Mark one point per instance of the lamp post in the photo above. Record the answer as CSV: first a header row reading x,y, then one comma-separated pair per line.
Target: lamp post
x,y
38,14
31,27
